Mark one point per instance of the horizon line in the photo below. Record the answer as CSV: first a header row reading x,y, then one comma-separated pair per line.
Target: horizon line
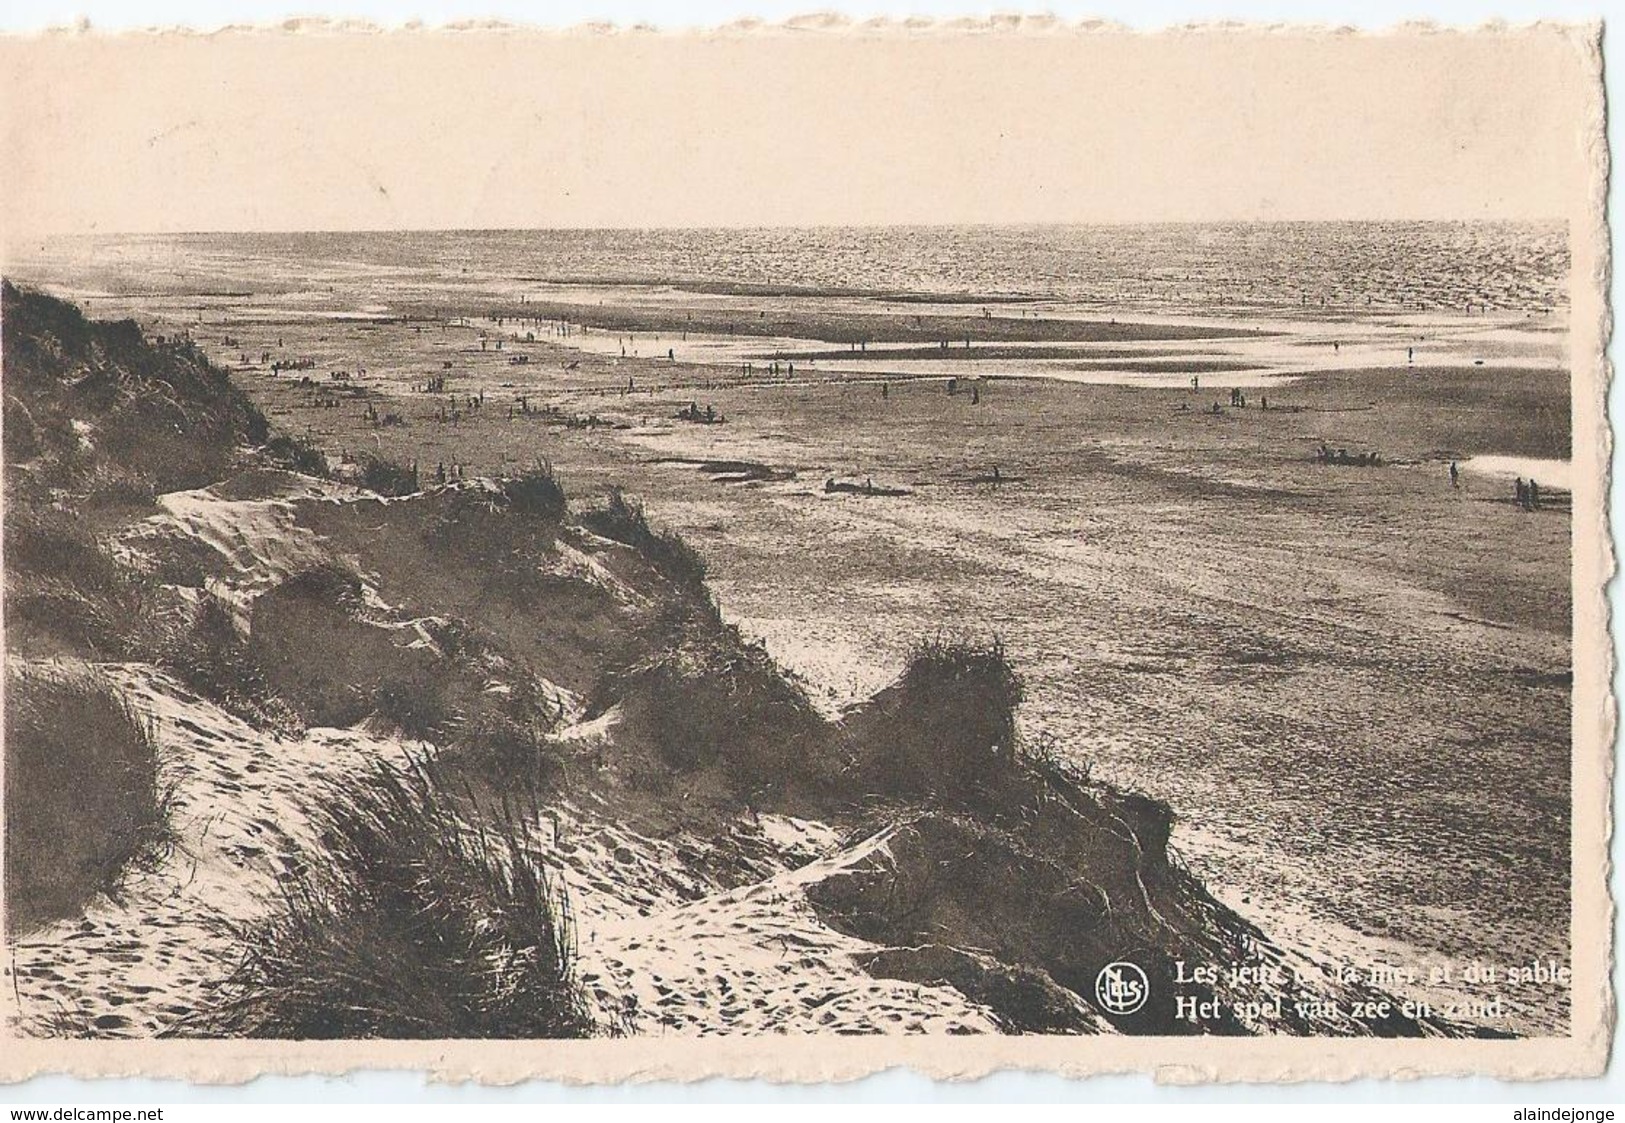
x,y
15,238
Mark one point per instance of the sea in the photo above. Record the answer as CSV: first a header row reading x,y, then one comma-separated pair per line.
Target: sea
x,y
1282,269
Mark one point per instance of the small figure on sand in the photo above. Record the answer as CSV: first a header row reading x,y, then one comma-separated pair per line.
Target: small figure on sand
x,y
885,389
1521,493
707,416
1534,495
1455,475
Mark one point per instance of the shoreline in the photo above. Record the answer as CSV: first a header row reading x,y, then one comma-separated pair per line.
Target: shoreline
x,y
1095,459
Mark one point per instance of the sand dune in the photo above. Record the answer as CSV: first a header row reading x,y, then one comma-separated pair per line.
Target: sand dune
x,y
241,804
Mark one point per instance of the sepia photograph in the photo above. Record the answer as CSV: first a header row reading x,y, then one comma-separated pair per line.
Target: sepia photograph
x,y
1025,544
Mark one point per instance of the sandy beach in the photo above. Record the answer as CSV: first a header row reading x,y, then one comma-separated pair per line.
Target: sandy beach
x,y
1207,613
1304,657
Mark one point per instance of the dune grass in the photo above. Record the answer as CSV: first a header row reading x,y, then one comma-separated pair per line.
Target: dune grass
x,y
536,493
421,916
158,410
387,477
82,791
316,648
65,594
947,727
416,704
210,656
496,751
298,454
700,698
623,520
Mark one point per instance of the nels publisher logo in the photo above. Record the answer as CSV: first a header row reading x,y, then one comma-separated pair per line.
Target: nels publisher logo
x,y
1121,988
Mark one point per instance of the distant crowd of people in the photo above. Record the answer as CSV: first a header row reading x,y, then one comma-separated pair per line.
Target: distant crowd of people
x,y
1342,456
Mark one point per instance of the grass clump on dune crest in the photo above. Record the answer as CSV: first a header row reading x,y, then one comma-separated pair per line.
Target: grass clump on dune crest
x,y
419,918
946,727
537,493
298,455
82,793
388,478
623,520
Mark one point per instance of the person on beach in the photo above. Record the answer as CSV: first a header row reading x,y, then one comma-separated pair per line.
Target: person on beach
x,y
1196,382
885,390
1455,475
1534,495
1522,493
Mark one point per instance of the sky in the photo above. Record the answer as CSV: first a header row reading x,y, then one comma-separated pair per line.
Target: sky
x,y
325,130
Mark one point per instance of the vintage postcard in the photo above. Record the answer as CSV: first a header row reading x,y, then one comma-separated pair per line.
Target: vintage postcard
x,y
795,550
